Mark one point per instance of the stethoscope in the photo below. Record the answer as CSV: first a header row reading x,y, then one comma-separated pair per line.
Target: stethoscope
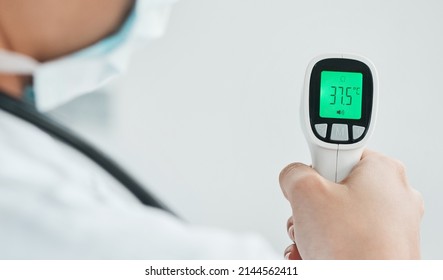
x,y
28,113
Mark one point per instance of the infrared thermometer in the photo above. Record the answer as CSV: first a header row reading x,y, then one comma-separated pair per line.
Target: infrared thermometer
x,y
338,107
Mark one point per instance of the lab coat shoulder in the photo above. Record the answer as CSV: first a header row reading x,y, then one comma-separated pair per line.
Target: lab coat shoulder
x,y
57,204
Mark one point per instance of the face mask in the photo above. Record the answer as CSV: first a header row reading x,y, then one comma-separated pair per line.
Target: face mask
x,y
60,80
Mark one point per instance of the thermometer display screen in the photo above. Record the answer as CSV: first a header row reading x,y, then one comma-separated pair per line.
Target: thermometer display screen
x,y
341,95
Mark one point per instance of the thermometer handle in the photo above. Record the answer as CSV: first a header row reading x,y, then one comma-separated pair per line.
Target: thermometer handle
x,y
334,165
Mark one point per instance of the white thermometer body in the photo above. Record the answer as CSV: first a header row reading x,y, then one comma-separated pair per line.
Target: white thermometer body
x,y
338,111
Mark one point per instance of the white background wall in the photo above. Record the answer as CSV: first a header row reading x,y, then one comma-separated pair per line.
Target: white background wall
x,y
208,116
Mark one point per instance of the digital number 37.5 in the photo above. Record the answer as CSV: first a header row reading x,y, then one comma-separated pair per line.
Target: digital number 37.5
x,y
344,95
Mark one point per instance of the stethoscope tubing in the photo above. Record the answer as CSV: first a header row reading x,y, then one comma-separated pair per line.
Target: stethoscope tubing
x,y
29,113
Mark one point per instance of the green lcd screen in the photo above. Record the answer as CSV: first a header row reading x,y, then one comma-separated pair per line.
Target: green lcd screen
x,y
341,95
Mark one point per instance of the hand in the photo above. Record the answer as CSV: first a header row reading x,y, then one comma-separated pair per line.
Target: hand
x,y
371,214
291,253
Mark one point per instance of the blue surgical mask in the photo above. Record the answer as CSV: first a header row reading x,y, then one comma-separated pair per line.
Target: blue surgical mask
x,y
60,80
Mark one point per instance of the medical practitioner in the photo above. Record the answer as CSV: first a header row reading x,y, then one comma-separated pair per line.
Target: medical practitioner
x,y
62,199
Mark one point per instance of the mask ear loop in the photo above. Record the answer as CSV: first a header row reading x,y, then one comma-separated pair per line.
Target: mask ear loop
x,y
13,63
16,63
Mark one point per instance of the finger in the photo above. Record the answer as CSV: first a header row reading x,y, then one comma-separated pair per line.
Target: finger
x,y
290,228
289,168
374,163
376,158
289,223
420,202
298,177
292,253
369,153
291,233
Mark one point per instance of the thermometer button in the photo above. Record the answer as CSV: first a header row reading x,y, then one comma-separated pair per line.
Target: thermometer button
x,y
357,131
321,129
339,132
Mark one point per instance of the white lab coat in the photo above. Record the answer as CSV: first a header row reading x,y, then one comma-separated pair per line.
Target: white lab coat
x,y
57,204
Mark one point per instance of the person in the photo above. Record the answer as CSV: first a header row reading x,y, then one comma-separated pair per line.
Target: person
x,y
56,203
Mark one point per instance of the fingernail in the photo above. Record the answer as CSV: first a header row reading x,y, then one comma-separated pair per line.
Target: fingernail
x,y
287,256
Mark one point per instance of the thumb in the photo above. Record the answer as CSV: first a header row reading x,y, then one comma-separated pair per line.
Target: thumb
x,y
298,178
